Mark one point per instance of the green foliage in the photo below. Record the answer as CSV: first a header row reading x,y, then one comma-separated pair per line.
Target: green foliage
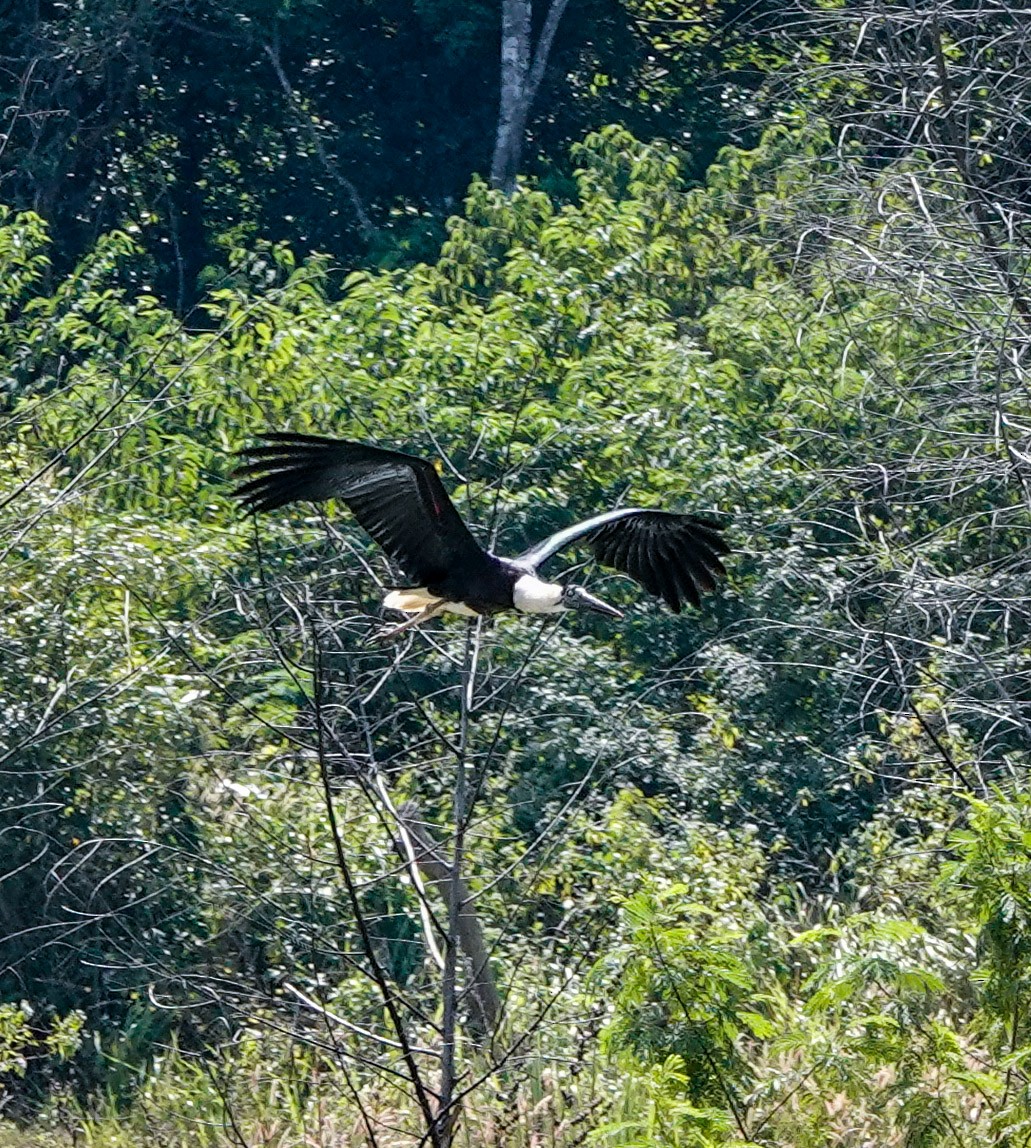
x,y
687,995
352,128
745,853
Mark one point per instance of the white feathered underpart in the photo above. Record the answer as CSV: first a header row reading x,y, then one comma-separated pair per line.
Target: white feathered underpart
x,y
417,599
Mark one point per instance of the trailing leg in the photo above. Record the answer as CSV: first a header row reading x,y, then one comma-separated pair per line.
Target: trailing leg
x,y
424,615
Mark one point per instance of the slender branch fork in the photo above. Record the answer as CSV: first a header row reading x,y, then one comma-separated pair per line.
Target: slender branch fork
x,y
439,1070
447,1118
439,1100
386,992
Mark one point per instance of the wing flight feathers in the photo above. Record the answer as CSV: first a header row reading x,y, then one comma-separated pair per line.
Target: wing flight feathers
x,y
674,556
398,498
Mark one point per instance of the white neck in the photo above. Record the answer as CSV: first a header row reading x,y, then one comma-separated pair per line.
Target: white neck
x,y
532,596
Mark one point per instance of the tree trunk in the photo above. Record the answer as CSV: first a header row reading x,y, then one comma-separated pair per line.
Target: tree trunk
x,y
484,995
522,69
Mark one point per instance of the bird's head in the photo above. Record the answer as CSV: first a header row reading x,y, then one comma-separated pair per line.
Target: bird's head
x,y
576,598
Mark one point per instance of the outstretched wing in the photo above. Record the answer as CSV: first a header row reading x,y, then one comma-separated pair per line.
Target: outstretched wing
x,y
397,498
675,556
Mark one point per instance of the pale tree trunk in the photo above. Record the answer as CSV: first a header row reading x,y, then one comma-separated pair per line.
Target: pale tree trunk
x,y
522,69
483,990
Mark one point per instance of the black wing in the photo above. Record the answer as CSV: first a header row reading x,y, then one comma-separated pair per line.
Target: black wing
x,y
675,556
397,498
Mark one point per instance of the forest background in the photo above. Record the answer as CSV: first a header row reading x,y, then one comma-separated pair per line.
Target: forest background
x,y
759,874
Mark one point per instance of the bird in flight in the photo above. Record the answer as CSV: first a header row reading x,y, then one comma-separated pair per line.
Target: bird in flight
x,y
401,502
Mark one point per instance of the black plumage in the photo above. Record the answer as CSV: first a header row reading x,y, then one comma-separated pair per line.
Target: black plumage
x,y
674,556
400,500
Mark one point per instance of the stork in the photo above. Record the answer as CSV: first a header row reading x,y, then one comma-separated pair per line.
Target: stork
x,y
401,502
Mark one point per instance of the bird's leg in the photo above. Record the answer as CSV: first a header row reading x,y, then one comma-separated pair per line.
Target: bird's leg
x,y
424,615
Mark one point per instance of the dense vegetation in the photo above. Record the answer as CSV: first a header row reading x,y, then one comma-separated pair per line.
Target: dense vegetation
x,y
349,128
758,874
